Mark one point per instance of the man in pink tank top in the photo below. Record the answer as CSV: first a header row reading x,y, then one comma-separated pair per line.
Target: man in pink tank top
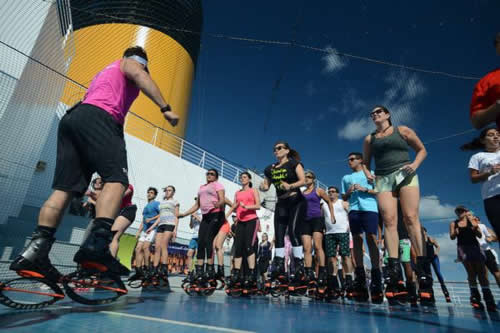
x,y
90,139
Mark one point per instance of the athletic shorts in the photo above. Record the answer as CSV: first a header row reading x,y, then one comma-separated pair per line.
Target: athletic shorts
x,y
226,228
165,227
491,261
404,250
392,183
144,237
337,243
89,140
361,221
470,253
315,224
193,244
129,212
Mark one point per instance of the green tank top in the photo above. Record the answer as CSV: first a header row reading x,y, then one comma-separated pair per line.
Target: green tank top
x,y
390,153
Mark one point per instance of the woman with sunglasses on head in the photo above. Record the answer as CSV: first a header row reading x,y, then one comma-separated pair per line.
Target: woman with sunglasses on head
x,y
246,203
313,228
166,231
484,168
395,177
211,201
287,176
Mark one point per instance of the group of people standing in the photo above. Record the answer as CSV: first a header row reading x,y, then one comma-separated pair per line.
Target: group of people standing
x,y
369,197
90,139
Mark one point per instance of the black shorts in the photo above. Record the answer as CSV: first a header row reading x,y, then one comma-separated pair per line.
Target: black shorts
x,y
89,140
316,224
491,261
129,212
165,227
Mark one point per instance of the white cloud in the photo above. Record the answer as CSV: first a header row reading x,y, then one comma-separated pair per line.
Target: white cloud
x,y
447,248
403,91
432,208
333,62
355,129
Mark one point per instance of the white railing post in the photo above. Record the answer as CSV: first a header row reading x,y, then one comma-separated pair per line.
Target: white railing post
x,y
191,150
202,161
154,137
181,149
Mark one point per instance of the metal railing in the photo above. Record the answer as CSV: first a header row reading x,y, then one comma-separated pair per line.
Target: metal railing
x,y
137,126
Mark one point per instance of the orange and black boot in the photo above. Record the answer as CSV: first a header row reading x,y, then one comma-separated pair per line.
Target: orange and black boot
x,y
491,306
395,290
34,260
360,291
425,290
475,299
376,287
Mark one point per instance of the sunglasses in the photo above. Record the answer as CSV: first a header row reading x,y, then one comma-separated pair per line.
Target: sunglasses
x,y
352,159
278,148
210,173
379,111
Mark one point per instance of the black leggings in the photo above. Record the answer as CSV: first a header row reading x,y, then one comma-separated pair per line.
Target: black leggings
x,y
492,208
244,240
209,228
289,214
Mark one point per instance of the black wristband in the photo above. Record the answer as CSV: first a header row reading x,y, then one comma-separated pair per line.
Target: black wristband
x,y
166,108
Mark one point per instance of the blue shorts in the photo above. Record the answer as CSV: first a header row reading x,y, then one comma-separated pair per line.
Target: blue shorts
x,y
193,244
360,221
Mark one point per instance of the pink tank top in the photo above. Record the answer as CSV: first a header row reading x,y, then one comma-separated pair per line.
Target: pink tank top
x,y
247,198
111,91
208,197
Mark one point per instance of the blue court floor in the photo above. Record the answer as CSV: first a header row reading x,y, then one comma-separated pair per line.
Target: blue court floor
x,y
177,312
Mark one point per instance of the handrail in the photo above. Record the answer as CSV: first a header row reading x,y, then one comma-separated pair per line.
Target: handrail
x,y
189,151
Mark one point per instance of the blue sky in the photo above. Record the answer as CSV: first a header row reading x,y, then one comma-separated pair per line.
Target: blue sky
x,y
248,95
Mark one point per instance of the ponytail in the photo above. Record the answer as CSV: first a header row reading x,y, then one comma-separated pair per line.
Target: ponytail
x,y
250,184
292,154
476,143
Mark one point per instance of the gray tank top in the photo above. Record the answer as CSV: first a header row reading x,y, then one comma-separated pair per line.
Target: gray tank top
x,y
390,153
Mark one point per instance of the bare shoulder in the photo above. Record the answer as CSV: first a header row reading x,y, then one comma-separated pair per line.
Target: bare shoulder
x,y
406,132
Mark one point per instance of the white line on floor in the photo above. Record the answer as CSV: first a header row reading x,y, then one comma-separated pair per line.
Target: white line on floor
x,y
183,323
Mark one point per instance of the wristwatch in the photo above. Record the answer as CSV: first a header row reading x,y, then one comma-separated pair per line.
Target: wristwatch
x,y
166,108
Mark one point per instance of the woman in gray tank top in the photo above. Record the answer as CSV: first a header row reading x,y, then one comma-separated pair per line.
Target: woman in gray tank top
x,y
395,177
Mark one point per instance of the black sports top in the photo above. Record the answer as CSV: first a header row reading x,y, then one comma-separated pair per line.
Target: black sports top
x,y
285,173
430,248
466,235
